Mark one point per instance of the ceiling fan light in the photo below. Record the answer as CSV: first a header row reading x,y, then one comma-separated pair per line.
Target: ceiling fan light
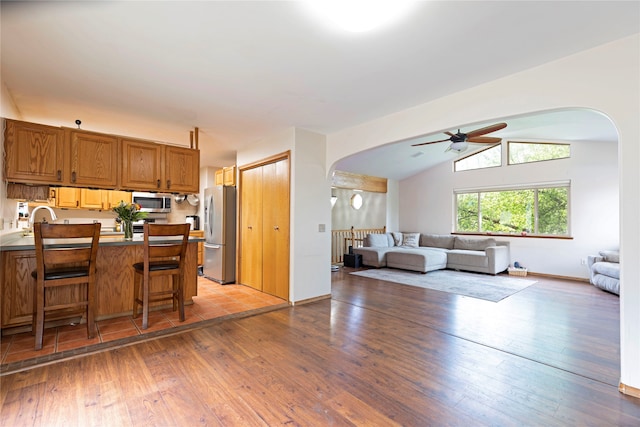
x,y
459,147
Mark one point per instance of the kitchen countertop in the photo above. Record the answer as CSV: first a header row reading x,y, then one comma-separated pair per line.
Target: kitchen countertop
x,y
18,242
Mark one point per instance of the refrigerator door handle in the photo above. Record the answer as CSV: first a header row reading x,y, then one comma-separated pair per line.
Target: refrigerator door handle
x,y
212,246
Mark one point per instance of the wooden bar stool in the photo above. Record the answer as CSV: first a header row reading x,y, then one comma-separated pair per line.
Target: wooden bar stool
x,y
65,256
165,248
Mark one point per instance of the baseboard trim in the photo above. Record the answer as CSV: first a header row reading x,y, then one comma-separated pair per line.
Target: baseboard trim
x,y
310,300
628,390
556,276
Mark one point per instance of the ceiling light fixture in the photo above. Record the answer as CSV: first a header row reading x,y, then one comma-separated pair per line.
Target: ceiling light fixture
x,y
359,15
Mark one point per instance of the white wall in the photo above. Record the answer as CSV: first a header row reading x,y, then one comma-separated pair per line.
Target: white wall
x,y
605,79
372,214
311,208
427,205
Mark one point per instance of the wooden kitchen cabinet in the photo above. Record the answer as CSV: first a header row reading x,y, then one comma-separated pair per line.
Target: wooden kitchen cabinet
x,y
17,287
91,199
111,199
40,154
94,159
182,169
162,168
141,167
67,197
229,176
219,177
34,153
199,233
114,283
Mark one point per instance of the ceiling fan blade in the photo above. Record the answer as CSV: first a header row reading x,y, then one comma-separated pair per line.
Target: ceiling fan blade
x,y
431,142
449,133
485,130
485,139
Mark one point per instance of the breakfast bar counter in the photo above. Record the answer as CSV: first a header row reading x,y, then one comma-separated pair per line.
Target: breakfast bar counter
x,y
114,284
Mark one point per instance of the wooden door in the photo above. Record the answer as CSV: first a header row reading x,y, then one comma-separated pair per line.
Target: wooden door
x,y
141,165
250,265
276,229
181,169
34,153
94,159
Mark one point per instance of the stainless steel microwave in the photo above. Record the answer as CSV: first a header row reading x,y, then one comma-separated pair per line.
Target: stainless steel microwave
x,y
153,202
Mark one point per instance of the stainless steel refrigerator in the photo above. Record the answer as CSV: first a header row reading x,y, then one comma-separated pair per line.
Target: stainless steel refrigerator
x,y
220,234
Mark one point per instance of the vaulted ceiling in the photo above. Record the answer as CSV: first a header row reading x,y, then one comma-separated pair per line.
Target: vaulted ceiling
x,y
241,70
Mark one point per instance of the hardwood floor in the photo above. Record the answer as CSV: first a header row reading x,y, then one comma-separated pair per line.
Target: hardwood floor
x,y
377,353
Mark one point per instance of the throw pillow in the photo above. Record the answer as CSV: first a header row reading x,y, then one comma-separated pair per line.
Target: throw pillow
x,y
397,238
610,256
376,240
410,240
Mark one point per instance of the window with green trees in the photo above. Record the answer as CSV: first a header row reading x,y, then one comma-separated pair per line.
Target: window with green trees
x,y
526,152
538,210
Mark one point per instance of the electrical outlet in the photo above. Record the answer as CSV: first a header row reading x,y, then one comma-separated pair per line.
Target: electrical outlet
x,y
583,261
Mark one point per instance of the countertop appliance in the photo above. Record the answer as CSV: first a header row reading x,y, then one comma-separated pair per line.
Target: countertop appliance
x,y
153,202
194,220
220,234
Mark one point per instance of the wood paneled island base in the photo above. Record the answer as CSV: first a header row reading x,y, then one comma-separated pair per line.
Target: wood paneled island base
x,y
114,287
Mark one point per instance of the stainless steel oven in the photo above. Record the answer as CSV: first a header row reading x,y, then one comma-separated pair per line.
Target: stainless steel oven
x,y
153,202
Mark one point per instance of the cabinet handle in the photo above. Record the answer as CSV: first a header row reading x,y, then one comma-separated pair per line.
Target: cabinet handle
x,y
59,175
73,176
250,227
168,183
77,203
275,227
158,183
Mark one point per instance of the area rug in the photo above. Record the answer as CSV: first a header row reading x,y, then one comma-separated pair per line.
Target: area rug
x,y
475,285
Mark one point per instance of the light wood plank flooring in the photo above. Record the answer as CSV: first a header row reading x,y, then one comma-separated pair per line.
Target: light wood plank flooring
x,y
377,353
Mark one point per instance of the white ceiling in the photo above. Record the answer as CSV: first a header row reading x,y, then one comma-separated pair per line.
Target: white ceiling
x,y
243,70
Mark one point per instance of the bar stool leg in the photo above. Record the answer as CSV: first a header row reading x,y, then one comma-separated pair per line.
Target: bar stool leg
x,y
180,297
38,314
136,295
91,296
145,301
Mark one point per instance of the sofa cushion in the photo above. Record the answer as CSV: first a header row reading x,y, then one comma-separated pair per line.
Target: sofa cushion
x,y
611,269
610,256
378,240
473,258
411,240
468,244
437,241
397,238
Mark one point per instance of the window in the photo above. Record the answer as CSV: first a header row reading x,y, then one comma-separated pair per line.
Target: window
x,y
487,158
526,152
541,210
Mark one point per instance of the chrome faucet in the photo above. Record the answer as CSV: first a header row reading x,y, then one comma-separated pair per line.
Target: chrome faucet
x,y
33,214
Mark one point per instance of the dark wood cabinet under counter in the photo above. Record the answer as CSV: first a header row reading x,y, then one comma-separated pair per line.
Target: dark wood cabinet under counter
x,y
114,286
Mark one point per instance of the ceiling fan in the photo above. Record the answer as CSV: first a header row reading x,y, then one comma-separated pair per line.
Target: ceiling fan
x,y
460,141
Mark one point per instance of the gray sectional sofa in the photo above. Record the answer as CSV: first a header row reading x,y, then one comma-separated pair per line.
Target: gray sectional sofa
x,y
425,252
